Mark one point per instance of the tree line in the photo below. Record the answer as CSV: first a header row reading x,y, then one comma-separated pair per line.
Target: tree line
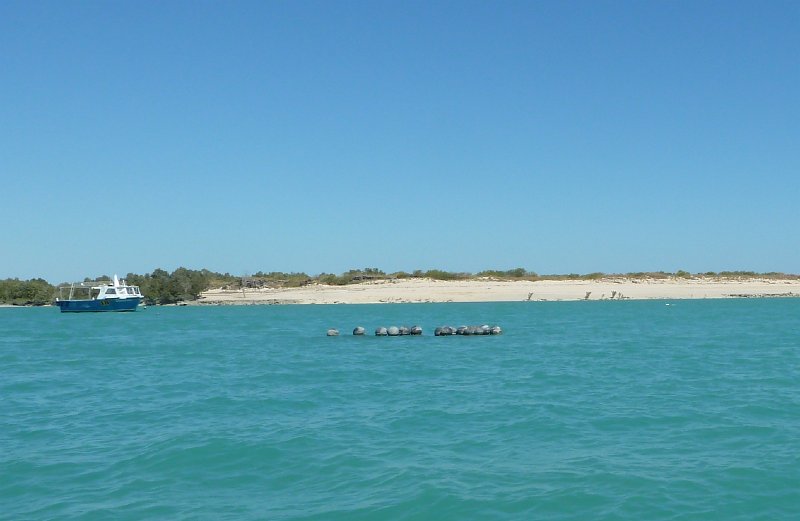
x,y
161,287
33,292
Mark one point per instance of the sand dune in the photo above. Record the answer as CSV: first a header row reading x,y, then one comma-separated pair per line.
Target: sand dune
x,y
427,290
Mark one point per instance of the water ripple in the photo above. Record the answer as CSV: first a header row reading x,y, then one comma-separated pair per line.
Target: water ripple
x,y
607,410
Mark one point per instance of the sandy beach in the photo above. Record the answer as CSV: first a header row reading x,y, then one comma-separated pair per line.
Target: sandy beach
x,y
427,290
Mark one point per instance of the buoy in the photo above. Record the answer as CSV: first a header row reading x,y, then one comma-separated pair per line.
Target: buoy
x,y
484,329
468,330
359,331
333,332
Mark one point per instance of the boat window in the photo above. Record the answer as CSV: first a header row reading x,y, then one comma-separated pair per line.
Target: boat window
x,y
111,291
95,292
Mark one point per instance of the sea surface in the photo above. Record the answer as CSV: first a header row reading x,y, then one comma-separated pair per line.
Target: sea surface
x,y
632,410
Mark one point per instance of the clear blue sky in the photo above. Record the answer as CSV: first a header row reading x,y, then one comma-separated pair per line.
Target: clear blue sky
x,y
321,136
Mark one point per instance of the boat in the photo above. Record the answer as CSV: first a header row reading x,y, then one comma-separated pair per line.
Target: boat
x,y
87,297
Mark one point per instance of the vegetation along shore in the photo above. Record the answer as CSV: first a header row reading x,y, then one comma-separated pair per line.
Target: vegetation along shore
x,y
372,285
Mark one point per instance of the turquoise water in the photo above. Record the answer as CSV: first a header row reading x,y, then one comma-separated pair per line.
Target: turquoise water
x,y
581,410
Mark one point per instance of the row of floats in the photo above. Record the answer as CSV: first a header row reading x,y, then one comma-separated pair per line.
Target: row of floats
x,y
417,330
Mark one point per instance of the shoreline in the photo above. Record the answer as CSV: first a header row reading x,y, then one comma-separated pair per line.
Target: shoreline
x,y
489,290
414,290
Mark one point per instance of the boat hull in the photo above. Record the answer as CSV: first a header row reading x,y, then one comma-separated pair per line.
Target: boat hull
x,y
100,305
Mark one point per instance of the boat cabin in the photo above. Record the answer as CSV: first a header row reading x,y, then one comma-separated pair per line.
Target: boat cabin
x,y
116,289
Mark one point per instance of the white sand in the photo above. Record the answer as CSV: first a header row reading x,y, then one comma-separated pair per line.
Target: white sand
x,y
426,290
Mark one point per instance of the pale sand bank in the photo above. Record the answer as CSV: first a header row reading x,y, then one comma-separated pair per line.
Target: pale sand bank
x,y
426,290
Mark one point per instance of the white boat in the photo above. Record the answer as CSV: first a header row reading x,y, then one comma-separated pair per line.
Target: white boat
x,y
87,297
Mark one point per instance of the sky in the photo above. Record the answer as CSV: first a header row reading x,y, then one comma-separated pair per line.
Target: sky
x,y
322,136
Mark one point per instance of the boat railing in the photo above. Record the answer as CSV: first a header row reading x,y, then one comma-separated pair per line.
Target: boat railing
x,y
86,284
76,291
89,290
